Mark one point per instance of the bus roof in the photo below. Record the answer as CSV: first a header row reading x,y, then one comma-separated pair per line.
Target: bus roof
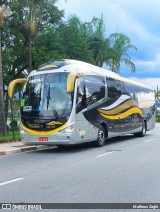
x,y
68,62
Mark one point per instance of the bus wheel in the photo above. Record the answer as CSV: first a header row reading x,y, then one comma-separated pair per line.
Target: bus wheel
x,y
101,137
143,131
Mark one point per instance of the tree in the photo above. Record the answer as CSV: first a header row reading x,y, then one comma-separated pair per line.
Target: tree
x,y
96,38
119,45
157,93
33,15
75,44
15,38
3,129
31,25
93,33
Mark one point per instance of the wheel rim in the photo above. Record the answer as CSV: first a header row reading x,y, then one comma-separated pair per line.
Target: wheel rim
x,y
101,136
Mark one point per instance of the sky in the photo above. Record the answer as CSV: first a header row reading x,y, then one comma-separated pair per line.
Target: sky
x,y
138,19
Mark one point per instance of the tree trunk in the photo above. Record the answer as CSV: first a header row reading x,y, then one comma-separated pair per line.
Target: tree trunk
x,y
30,54
112,66
3,129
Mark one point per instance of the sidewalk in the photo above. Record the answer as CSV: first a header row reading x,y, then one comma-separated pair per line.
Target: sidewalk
x,y
17,147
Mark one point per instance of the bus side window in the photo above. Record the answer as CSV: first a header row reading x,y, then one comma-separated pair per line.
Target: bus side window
x,y
131,90
115,88
95,89
81,96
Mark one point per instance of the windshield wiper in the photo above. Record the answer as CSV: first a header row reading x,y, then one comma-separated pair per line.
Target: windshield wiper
x,y
56,114
48,100
48,97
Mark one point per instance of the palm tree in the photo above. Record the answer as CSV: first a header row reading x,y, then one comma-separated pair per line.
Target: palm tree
x,y
97,40
33,19
157,94
3,130
74,20
93,31
119,45
31,24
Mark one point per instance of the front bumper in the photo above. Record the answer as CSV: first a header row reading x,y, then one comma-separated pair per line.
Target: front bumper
x,y
55,139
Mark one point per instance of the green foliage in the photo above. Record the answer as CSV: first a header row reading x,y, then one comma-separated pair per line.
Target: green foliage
x,y
34,33
74,43
119,45
157,93
92,34
9,136
13,125
113,51
15,38
96,39
158,117
55,39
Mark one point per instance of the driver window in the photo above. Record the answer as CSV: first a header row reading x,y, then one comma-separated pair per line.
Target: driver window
x,y
80,95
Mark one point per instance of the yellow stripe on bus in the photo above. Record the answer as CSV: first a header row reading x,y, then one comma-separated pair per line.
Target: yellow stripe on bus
x,y
34,132
123,115
119,108
47,66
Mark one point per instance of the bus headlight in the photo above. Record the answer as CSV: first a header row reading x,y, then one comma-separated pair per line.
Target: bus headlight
x,y
68,129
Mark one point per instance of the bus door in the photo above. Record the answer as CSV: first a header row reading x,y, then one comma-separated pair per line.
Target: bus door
x,y
95,98
81,112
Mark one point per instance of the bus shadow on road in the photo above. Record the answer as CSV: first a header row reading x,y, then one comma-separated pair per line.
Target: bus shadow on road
x,y
87,146
124,138
68,149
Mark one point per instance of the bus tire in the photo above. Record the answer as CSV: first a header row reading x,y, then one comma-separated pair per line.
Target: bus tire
x,y
101,137
143,131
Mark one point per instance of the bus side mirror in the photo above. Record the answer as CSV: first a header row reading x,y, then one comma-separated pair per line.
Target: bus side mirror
x,y
12,85
71,81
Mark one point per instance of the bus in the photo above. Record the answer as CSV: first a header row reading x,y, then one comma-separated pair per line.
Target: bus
x,y
67,102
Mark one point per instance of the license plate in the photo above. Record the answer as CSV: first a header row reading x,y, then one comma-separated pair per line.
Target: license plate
x,y
43,139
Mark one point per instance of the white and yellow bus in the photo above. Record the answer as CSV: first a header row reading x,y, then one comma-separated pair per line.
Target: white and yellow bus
x,y
68,102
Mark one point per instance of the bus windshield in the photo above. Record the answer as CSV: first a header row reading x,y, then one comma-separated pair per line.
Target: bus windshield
x,y
46,96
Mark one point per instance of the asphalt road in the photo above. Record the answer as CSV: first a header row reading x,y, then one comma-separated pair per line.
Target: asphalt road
x,y
125,170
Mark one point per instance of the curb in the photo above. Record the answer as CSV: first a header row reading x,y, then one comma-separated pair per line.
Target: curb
x,y
23,149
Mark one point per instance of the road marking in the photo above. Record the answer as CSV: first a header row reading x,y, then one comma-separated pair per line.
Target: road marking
x,y
149,140
11,181
98,156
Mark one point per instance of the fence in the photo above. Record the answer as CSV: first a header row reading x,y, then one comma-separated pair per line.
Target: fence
x,y
12,120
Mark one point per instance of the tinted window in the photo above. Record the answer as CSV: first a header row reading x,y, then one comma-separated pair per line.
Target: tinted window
x,y
143,96
80,100
115,88
95,89
130,90
46,95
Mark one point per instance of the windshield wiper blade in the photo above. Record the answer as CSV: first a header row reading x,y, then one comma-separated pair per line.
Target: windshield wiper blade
x,y
48,100
48,97
56,114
